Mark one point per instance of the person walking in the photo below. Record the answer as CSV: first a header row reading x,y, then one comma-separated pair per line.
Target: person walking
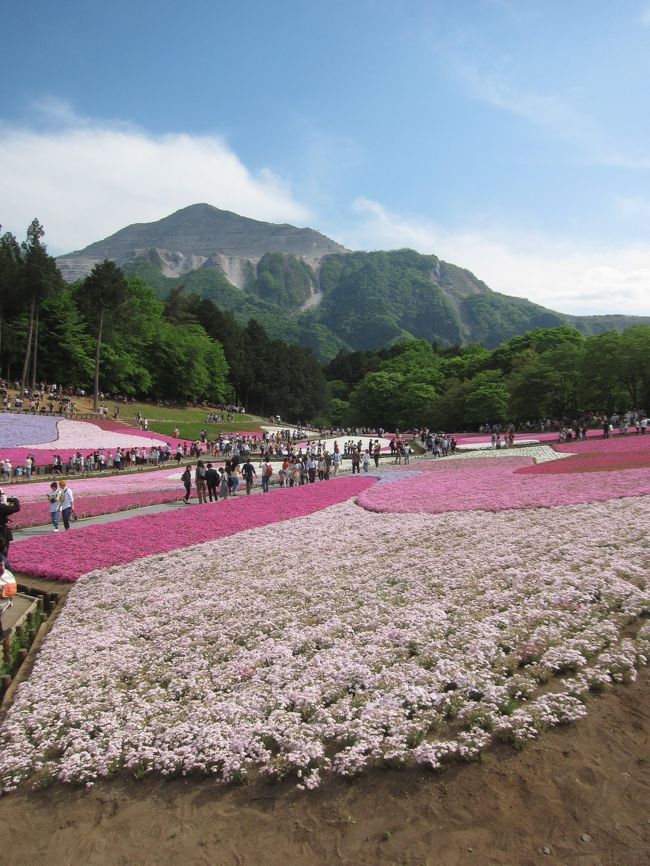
x,y
267,470
54,499
186,478
211,480
66,502
199,480
234,475
248,471
223,483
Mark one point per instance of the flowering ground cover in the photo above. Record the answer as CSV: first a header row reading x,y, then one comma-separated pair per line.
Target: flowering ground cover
x,y
66,556
598,455
44,437
104,485
336,641
38,513
26,429
478,440
495,484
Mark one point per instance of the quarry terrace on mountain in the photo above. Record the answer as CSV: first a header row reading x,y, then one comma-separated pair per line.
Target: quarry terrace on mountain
x,y
304,287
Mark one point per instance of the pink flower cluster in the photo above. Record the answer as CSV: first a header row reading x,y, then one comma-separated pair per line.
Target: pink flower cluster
x,y
67,556
104,485
495,485
333,642
37,513
598,455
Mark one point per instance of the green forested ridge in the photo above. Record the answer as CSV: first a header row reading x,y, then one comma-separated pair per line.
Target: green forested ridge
x,y
199,338
366,300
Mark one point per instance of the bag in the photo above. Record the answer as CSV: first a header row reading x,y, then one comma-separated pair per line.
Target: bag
x,y
268,471
7,585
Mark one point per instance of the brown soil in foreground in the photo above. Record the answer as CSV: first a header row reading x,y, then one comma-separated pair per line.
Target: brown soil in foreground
x,y
579,795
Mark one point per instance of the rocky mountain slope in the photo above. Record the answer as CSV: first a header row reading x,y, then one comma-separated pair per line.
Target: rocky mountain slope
x,y
304,287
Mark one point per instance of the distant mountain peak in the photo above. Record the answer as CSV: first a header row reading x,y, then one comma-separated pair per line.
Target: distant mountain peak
x,y
201,230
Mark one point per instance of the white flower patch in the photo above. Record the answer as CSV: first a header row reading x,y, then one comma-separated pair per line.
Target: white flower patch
x,y
334,642
539,453
84,435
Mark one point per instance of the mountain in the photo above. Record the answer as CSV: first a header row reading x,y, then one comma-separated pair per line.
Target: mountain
x,y
201,236
304,287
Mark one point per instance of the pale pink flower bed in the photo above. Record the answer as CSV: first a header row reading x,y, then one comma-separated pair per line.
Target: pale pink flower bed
x,y
554,436
68,555
103,485
38,513
494,485
335,642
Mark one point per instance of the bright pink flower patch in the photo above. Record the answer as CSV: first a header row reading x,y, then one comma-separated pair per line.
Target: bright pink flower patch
x,y
496,485
598,445
68,555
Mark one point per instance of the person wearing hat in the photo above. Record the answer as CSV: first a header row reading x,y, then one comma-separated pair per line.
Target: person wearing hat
x,y
66,502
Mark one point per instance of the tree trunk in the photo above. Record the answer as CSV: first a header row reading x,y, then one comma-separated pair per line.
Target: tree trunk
x,y
23,380
35,361
97,355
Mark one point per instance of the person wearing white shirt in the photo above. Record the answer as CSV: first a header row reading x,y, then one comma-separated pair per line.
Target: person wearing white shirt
x,y
67,502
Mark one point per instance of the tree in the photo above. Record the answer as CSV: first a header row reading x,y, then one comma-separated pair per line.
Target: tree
x,y
487,399
104,290
635,365
602,374
39,276
10,264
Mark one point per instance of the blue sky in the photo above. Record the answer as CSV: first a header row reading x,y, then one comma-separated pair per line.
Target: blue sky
x,y
511,137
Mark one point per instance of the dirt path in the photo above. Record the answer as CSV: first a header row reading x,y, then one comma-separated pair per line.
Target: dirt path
x,y
592,778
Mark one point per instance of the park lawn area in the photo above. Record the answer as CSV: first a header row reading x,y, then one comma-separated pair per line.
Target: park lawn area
x,y
163,419
190,422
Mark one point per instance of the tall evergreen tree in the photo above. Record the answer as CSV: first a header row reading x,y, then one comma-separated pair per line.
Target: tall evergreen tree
x,y
104,292
10,265
39,277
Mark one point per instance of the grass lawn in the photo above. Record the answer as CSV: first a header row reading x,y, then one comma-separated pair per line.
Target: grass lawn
x,y
163,419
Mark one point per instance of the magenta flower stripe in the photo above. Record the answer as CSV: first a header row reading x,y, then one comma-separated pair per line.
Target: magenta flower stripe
x,y
68,555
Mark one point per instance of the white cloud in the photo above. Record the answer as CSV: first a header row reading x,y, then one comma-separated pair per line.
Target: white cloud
x,y
645,16
564,276
85,179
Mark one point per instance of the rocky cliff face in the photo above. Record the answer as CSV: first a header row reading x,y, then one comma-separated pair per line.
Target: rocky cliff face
x,y
305,288
201,236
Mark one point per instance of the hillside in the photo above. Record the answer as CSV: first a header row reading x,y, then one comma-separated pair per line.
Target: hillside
x,y
306,288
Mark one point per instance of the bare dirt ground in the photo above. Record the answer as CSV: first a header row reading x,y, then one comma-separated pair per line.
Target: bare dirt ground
x,y
579,795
